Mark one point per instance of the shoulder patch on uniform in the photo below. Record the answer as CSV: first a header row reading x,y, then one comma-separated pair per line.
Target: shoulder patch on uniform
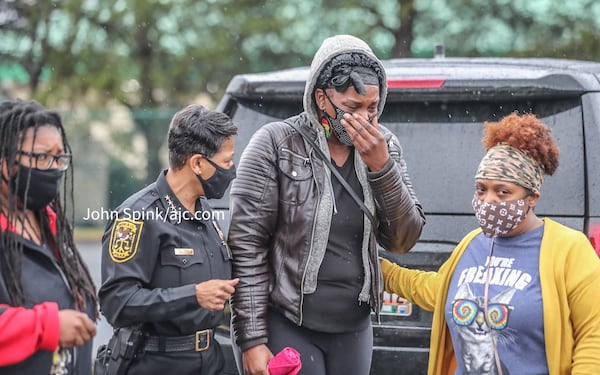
x,y
124,239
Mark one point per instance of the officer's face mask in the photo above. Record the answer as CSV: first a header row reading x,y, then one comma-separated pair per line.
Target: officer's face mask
x,y
35,188
215,186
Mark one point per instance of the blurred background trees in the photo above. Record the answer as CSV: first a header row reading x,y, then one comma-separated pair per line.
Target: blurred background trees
x,y
119,69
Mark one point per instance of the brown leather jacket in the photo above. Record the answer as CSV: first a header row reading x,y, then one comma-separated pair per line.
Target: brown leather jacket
x,y
281,206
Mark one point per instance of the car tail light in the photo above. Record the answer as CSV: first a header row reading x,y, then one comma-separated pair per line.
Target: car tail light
x,y
594,236
426,83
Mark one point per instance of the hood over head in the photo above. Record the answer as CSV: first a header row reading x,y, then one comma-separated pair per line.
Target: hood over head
x,y
357,54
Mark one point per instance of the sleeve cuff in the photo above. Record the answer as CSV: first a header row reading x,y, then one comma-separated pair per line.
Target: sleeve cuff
x,y
252,343
386,266
386,168
51,326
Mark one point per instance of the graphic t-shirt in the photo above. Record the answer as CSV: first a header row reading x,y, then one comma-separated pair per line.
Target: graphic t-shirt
x,y
512,325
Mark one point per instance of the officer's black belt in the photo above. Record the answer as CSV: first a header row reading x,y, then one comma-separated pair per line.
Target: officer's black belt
x,y
198,342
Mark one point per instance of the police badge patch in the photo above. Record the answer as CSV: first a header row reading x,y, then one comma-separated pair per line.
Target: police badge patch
x,y
124,239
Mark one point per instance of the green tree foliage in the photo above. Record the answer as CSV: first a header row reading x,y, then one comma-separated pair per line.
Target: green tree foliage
x,y
532,28
37,34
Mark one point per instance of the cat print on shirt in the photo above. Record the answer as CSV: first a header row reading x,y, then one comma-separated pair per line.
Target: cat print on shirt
x,y
476,332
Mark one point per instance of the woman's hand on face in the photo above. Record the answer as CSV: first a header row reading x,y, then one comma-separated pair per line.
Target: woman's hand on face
x,y
367,140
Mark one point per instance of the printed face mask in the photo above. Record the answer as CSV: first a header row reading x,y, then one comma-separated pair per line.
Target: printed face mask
x,y
497,219
336,124
215,186
43,186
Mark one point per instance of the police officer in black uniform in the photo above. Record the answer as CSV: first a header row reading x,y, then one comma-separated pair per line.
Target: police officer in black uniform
x,y
165,262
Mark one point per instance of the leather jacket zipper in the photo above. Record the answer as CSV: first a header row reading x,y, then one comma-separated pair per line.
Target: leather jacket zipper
x,y
305,159
312,235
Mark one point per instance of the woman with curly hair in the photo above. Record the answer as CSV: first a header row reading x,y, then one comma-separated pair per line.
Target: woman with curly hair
x,y
47,298
520,295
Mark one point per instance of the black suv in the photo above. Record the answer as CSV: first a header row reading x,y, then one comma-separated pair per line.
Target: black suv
x,y
437,108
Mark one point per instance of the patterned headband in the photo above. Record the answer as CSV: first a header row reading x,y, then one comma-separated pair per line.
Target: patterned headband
x,y
506,163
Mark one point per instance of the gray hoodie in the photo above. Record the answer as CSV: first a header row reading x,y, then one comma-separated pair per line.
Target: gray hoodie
x,y
281,211
330,48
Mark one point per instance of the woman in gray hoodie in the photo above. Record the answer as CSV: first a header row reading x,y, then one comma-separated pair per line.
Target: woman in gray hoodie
x,y
304,245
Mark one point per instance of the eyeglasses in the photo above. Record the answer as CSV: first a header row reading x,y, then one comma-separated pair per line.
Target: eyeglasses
x,y
464,312
45,161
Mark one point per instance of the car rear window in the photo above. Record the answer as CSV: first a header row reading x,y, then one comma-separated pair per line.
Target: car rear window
x,y
442,147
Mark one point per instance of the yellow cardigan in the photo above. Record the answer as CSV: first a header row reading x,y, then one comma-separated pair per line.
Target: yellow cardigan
x,y
570,283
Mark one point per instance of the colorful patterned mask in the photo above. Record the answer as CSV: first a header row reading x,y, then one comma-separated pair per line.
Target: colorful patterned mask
x,y
497,219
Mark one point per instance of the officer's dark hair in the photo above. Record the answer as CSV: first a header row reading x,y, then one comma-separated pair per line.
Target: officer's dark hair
x,y
197,130
16,117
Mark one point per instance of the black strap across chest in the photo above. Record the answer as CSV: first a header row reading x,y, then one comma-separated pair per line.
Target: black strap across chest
x,y
334,171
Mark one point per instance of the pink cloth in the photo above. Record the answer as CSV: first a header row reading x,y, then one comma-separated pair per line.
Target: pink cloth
x,y
286,362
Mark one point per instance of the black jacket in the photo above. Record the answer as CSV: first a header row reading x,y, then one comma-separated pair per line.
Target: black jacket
x,y
44,280
281,209
153,255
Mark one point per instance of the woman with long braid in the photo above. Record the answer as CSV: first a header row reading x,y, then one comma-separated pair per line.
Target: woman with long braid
x,y
47,298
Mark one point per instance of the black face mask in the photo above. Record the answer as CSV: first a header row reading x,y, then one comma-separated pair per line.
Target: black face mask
x,y
43,186
215,186
336,123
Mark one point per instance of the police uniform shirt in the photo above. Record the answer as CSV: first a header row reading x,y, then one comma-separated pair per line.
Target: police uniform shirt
x,y
153,255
